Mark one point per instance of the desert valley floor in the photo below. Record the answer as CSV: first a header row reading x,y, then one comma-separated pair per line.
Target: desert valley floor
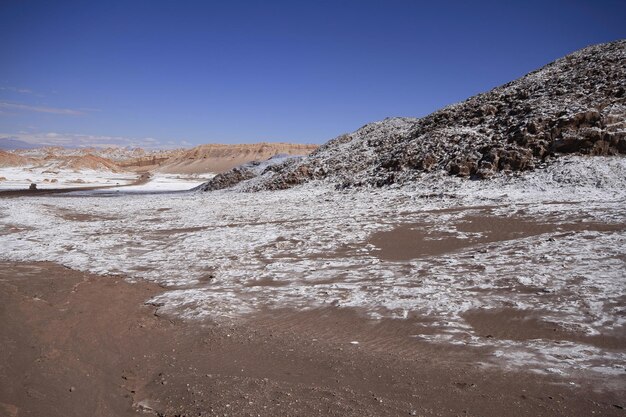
x,y
445,297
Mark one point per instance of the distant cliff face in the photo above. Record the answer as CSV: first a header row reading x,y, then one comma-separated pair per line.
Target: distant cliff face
x,y
576,104
220,158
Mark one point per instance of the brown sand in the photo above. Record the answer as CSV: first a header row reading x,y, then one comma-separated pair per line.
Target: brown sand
x,y
75,344
416,240
514,324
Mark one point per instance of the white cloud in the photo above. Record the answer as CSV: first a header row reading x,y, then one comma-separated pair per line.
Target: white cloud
x,y
74,140
17,90
40,109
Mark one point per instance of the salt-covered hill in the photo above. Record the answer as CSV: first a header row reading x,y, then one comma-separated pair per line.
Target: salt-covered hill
x,y
219,158
576,104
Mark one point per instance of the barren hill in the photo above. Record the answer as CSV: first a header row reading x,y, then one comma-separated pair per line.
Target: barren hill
x,y
9,159
80,162
57,158
219,158
576,104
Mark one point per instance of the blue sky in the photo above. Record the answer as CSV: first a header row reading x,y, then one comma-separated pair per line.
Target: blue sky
x,y
151,72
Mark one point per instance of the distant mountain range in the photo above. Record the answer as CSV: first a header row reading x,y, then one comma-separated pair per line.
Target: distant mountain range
x,y
211,158
12,144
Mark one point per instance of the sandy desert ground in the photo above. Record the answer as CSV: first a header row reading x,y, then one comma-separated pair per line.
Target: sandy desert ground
x,y
445,297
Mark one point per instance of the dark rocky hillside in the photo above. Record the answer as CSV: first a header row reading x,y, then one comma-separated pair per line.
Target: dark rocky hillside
x,y
576,104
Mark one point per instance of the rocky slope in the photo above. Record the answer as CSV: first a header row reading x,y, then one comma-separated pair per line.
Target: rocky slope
x,y
576,104
246,172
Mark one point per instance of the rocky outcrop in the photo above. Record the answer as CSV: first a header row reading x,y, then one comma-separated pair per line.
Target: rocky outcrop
x,y
247,172
228,179
576,104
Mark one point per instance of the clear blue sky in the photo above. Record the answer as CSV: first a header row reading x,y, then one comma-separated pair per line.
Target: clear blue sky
x,y
245,71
